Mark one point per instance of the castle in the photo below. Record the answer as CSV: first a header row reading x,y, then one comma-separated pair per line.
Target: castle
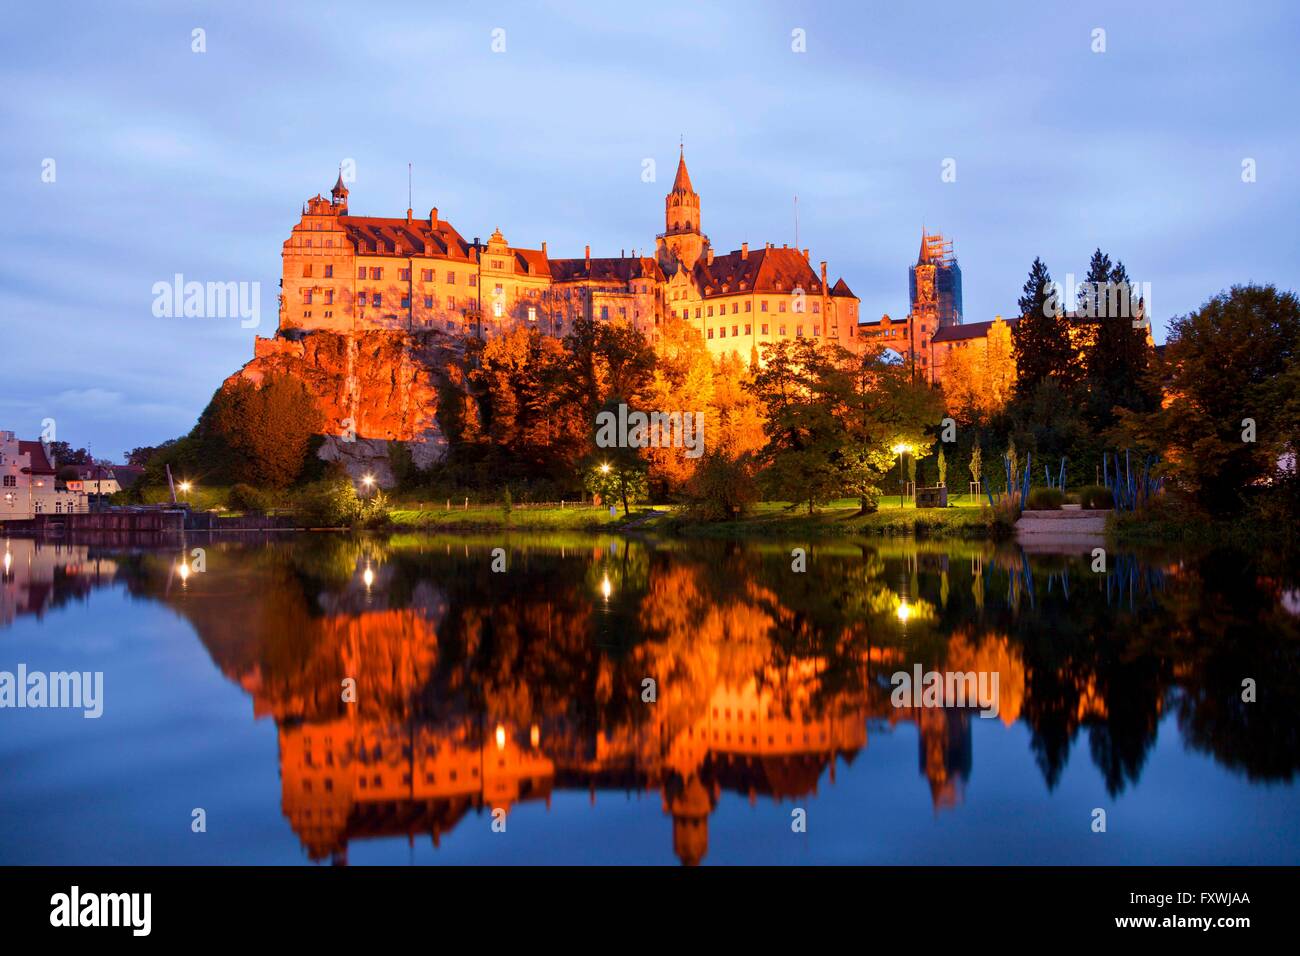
x,y
345,273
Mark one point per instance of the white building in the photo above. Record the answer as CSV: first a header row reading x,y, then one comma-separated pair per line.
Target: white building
x,y
27,485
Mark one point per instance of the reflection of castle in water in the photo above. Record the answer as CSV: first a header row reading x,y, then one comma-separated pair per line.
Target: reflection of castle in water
x,y
476,692
352,778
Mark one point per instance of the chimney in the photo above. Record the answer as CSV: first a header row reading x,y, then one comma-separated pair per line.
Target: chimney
x,y
824,288
622,253
543,248
433,218
587,254
805,255
408,215
709,260
744,250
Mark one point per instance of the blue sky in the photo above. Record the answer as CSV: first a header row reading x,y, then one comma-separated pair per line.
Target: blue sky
x,y
171,161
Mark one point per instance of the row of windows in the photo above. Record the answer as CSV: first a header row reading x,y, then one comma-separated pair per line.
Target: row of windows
x,y
735,331
722,309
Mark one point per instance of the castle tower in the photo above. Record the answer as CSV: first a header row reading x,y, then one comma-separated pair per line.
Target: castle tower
x,y
682,240
339,194
936,280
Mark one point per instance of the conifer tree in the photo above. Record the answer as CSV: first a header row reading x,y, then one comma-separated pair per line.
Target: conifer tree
x,y
1041,338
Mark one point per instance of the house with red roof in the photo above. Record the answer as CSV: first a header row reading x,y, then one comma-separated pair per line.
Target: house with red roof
x,y
27,482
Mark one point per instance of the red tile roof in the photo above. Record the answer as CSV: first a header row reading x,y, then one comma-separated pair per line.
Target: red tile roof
x,y
40,464
768,270
532,262
621,269
376,236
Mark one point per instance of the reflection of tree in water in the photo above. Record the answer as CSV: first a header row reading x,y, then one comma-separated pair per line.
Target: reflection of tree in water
x,y
1225,623
745,653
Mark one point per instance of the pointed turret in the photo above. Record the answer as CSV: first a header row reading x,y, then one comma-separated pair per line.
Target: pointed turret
x,y
682,239
340,192
682,183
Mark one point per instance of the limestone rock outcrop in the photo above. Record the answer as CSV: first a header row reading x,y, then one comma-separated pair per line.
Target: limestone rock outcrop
x,y
372,387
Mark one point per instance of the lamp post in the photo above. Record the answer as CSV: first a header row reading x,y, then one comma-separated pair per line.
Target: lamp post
x,y
368,481
901,449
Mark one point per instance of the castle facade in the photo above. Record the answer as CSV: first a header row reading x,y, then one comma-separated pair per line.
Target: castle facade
x,y
346,273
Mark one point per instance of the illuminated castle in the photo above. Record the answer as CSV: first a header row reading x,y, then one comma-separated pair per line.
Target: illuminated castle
x,y
347,273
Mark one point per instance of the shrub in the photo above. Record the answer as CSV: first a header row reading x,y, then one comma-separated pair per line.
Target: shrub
x,y
1096,496
1045,499
721,489
247,498
329,503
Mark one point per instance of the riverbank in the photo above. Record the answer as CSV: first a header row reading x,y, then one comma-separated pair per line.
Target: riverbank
x,y
769,519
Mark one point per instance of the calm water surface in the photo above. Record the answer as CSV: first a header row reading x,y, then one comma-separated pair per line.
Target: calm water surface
x,y
524,692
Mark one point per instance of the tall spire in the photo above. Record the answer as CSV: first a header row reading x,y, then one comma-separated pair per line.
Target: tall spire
x,y
682,184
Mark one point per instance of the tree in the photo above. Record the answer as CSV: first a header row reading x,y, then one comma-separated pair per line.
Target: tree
x,y
61,453
682,383
722,487
1118,357
141,454
1041,338
617,477
803,435
1231,407
265,431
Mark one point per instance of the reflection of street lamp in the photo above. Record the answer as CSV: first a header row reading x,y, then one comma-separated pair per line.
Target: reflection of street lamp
x,y
901,449
605,587
904,611
501,737
368,577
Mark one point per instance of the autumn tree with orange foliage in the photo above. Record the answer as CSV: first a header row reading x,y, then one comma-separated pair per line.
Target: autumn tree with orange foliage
x,y
978,382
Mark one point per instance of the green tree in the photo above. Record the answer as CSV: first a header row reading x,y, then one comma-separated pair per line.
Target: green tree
x,y
1041,339
1117,360
1229,375
804,437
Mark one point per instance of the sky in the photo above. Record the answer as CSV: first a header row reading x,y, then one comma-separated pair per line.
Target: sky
x,y
167,160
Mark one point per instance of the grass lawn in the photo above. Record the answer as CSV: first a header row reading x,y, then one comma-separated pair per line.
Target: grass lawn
x,y
482,517
965,519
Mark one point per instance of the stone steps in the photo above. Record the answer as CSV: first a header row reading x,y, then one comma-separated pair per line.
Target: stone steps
x,y
1070,522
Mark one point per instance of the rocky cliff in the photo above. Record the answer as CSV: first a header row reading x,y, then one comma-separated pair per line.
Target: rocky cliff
x,y
372,387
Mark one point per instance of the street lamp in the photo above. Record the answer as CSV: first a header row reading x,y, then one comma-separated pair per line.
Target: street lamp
x,y
368,481
604,468
901,449
185,487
